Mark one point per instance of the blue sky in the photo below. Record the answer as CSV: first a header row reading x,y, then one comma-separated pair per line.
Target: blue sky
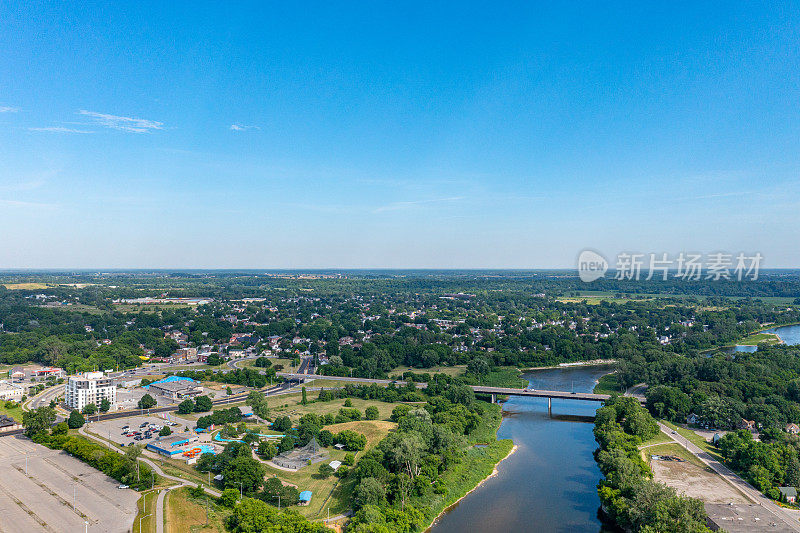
x,y
395,134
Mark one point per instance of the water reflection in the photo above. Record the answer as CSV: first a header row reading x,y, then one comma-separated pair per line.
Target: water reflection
x,y
549,484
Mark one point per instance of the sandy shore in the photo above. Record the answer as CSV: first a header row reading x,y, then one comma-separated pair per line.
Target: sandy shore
x,y
494,473
593,362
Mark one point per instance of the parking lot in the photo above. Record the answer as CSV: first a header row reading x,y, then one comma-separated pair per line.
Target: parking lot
x,y
113,429
42,499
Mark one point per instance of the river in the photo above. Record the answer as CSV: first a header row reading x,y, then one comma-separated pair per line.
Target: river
x,y
787,334
549,484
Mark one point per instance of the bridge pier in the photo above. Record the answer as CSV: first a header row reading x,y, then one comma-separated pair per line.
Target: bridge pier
x,y
494,398
549,406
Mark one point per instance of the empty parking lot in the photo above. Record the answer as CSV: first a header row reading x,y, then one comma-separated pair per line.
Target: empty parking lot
x,y
42,499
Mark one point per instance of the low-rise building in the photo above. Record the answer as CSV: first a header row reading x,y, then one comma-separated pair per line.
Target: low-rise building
x,y
8,424
176,388
172,444
11,391
789,494
91,387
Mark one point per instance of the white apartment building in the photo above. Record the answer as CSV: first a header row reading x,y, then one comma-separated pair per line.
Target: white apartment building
x,y
11,391
91,387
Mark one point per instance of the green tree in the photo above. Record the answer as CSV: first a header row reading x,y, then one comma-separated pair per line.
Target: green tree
x,y
89,409
202,404
165,431
371,413
246,470
105,405
325,470
146,402
185,407
38,420
75,419
267,450
304,399
370,491
229,497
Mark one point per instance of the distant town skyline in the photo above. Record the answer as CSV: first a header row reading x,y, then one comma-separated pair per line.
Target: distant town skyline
x,y
510,135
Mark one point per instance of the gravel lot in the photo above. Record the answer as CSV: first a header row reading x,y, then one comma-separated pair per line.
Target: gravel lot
x,y
42,500
697,482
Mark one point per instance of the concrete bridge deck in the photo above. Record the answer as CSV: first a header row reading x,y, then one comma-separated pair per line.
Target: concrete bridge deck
x,y
482,389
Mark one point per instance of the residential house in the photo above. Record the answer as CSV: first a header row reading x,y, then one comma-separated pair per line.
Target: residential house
x,y
789,494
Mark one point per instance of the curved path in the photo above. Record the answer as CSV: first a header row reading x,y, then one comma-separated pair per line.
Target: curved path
x,y
159,512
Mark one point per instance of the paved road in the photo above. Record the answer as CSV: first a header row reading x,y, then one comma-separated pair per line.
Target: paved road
x,y
477,388
731,477
159,512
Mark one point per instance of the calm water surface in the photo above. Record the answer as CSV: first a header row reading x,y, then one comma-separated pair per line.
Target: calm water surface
x,y
788,334
549,484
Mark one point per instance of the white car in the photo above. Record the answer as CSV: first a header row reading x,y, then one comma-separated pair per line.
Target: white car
x,y
123,487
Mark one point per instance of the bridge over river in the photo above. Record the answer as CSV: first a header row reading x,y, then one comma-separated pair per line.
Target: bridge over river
x,y
481,389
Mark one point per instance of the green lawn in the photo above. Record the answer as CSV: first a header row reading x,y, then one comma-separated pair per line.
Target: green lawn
x,y
675,450
13,412
660,438
695,439
456,370
329,492
146,507
760,338
607,384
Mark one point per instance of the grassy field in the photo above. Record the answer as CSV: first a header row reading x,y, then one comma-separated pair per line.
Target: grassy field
x,y
456,370
26,286
330,492
695,439
13,412
295,409
673,449
607,384
658,439
760,338
146,506
185,514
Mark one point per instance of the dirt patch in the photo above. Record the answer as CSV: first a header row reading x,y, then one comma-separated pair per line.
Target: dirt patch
x,y
695,481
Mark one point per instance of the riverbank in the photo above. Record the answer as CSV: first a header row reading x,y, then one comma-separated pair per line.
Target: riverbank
x,y
593,362
481,482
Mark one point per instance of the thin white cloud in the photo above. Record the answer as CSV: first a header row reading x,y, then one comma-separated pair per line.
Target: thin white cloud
x,y
129,124
8,109
398,206
243,127
59,129
23,204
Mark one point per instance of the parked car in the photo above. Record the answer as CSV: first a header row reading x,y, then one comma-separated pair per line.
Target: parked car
x,y
123,487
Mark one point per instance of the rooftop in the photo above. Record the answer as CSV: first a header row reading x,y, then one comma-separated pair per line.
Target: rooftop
x,y
743,518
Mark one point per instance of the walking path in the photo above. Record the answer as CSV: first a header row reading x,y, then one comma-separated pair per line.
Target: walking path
x,y
159,512
784,515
